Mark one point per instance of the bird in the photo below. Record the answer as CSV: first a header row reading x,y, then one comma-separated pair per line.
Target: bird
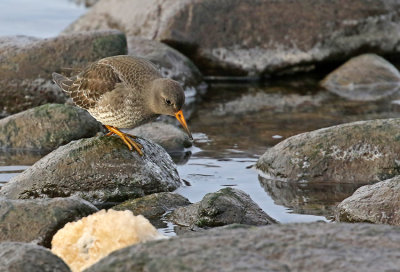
x,y
123,92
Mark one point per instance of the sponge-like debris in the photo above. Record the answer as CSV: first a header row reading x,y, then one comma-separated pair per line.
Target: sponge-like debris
x,y
82,243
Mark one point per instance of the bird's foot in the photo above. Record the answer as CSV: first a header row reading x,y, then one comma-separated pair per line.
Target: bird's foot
x,y
126,138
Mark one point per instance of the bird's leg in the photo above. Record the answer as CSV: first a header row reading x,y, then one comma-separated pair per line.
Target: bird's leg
x,y
125,137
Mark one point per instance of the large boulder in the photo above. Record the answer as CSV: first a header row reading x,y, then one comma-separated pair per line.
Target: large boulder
x,y
359,153
254,37
227,206
26,65
23,257
366,77
37,220
46,127
378,203
101,170
286,247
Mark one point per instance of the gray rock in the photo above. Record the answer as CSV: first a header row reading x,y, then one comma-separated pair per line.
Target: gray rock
x,y
172,63
26,65
366,77
154,206
248,37
168,136
286,247
23,257
46,127
38,220
227,206
99,169
378,203
358,153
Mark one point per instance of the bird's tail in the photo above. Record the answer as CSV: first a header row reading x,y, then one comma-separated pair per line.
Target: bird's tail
x,y
63,82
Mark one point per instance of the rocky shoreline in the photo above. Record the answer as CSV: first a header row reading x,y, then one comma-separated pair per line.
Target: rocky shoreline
x,y
348,171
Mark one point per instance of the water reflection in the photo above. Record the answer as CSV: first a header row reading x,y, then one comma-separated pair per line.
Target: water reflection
x,y
250,117
308,198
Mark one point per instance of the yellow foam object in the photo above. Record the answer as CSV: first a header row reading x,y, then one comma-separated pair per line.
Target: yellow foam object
x,y
80,244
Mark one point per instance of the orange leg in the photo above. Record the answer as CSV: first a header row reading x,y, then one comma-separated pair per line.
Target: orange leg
x,y
125,137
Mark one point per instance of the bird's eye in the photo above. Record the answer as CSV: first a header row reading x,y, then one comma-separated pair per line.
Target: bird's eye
x,y
168,101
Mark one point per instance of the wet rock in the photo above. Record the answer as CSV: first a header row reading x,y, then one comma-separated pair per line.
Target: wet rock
x,y
154,205
100,170
172,63
359,153
308,198
366,77
378,203
46,127
168,136
22,257
26,65
247,38
308,247
36,221
227,206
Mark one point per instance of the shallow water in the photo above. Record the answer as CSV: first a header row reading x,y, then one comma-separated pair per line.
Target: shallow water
x,y
39,18
233,125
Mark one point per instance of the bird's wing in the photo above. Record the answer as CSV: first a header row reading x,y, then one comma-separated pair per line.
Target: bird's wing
x,y
87,87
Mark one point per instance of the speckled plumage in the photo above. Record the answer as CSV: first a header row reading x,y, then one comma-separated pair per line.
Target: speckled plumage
x,y
124,92
112,90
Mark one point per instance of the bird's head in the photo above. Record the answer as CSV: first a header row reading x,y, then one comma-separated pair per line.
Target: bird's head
x,y
167,97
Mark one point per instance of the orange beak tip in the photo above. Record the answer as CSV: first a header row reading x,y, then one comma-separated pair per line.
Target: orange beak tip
x,y
181,119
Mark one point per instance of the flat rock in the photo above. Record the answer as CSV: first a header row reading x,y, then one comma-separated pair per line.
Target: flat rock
x,y
167,135
37,220
26,65
46,127
153,205
100,170
227,206
366,77
359,153
23,257
378,203
246,38
286,247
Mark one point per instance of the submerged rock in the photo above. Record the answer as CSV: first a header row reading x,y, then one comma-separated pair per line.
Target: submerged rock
x,y
378,203
308,198
26,65
278,247
227,206
168,136
247,37
366,77
46,127
36,221
359,153
82,243
23,257
99,169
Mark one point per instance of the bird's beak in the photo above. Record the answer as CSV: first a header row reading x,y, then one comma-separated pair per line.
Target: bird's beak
x,y
181,119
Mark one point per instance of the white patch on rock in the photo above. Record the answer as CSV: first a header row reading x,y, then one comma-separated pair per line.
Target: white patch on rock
x,y
361,151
